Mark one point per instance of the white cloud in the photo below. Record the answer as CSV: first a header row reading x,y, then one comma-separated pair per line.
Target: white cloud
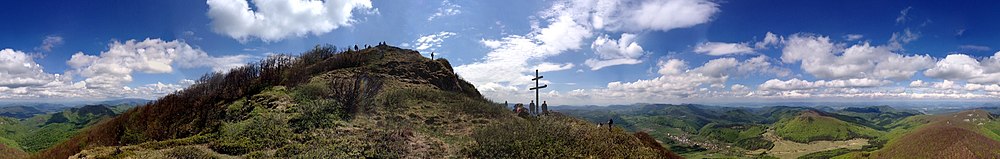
x,y
431,42
274,20
769,39
669,14
610,52
549,67
447,9
720,49
762,65
825,59
717,67
739,88
638,15
50,42
23,79
853,37
797,84
564,26
963,67
672,67
598,64
918,84
114,67
678,82
18,69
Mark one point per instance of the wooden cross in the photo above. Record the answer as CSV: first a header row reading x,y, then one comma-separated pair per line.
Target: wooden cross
x,y
536,88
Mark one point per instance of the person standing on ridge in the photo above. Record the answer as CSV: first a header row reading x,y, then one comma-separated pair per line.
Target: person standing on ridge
x,y
545,108
532,108
610,124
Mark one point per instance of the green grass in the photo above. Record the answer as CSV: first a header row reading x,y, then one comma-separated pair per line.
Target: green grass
x,y
813,127
264,131
553,137
743,136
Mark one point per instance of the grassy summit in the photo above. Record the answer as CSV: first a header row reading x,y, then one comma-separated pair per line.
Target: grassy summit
x,y
811,126
378,102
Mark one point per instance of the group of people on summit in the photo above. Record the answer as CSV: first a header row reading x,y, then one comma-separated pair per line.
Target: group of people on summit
x,y
532,108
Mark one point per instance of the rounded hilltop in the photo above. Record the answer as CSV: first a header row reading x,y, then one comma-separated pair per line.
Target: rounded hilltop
x,y
375,101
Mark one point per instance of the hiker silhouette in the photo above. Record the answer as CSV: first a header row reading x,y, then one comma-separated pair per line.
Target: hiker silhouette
x,y
611,123
545,108
532,107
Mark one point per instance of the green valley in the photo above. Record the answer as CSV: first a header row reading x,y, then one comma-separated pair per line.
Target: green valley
x,y
701,131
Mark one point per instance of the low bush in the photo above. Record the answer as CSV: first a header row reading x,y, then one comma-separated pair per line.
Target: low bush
x,y
263,131
315,114
553,136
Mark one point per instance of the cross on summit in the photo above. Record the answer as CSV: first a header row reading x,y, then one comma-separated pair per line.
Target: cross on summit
x,y
536,88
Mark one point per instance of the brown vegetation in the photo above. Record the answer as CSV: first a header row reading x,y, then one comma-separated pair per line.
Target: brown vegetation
x,y
949,136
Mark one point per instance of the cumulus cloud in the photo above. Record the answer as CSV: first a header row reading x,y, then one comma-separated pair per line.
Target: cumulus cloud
x,y
18,69
610,52
565,26
114,67
963,67
769,39
431,42
918,83
22,78
823,58
678,81
447,9
720,49
274,20
761,65
797,84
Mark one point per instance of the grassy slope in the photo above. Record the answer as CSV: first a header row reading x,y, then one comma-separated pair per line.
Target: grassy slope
x,y
811,126
744,136
413,115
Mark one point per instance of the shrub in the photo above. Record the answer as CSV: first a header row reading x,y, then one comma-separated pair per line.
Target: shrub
x,y
553,136
290,150
317,114
312,90
355,92
259,132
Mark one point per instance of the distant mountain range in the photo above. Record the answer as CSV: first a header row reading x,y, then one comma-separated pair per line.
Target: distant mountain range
x,y
28,110
828,131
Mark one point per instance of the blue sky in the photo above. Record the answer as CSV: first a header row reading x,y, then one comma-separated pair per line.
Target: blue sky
x,y
590,51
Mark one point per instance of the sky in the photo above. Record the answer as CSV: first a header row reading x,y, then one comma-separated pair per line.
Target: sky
x,y
590,52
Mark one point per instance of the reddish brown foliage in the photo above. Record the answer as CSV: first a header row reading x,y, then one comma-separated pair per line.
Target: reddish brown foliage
x,y
201,107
